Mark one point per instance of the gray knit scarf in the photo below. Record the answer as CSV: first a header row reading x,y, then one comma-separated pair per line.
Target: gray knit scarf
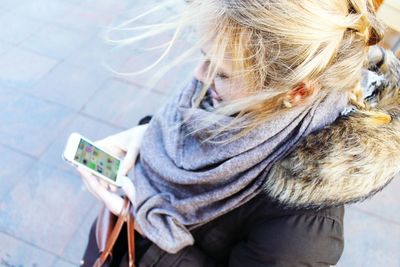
x,y
182,183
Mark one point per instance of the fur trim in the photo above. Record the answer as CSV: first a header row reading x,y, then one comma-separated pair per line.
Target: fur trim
x,y
347,161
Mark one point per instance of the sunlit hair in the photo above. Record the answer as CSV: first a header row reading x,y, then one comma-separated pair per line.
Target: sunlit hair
x,y
275,45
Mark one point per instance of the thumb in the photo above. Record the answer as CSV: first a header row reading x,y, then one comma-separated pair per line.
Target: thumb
x,y
129,189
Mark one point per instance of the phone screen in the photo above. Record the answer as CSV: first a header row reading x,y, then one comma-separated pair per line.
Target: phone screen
x,y
97,160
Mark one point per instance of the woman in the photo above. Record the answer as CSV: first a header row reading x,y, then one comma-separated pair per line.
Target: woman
x,y
251,164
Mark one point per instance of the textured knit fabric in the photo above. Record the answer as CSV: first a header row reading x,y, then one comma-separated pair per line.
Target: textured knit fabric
x,y
182,183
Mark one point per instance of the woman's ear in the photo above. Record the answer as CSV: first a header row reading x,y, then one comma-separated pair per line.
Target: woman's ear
x,y
298,93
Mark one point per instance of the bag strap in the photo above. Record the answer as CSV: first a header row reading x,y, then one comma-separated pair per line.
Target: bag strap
x,y
105,224
125,215
131,239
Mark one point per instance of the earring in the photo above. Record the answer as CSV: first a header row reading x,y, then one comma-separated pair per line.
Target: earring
x,y
286,103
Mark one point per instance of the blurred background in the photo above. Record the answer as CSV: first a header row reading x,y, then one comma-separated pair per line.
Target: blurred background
x,y
56,78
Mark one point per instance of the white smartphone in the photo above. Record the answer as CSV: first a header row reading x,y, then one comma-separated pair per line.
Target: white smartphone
x,y
80,151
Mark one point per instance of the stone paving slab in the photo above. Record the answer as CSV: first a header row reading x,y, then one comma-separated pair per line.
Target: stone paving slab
x,y
45,208
8,5
4,47
129,103
126,60
385,204
14,252
370,241
100,52
55,42
5,5
9,173
22,69
110,7
44,10
69,85
30,124
91,55
74,250
18,28
3,10
173,79
84,20
61,263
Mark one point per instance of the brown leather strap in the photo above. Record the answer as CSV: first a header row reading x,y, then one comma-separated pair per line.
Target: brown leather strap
x,y
105,224
131,240
114,234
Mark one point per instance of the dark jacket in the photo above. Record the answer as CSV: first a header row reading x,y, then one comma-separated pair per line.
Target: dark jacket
x,y
260,233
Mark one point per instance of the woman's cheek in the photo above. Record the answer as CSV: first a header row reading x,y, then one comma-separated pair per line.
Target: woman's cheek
x,y
223,89
228,90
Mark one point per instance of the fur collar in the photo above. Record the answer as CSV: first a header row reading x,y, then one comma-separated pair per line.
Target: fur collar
x,y
349,160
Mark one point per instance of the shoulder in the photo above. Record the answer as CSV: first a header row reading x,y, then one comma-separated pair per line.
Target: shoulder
x,y
293,238
313,235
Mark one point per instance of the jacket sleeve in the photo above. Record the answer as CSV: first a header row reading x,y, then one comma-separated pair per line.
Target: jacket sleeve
x,y
295,240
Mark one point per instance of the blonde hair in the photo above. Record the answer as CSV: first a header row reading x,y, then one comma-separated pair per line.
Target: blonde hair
x,y
275,45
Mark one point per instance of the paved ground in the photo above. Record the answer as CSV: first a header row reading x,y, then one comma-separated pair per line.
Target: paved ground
x,y
52,82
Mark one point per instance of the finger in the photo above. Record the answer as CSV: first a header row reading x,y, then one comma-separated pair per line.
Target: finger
x,y
103,183
113,188
91,190
87,178
129,160
113,201
110,146
94,184
129,189
107,185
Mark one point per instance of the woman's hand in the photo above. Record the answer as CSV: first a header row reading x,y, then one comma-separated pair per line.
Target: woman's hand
x,y
125,145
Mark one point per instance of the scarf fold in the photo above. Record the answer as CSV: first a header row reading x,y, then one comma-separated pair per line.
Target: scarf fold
x,y
182,183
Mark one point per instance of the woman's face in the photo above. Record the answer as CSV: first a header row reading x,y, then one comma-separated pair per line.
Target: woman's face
x,y
225,86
